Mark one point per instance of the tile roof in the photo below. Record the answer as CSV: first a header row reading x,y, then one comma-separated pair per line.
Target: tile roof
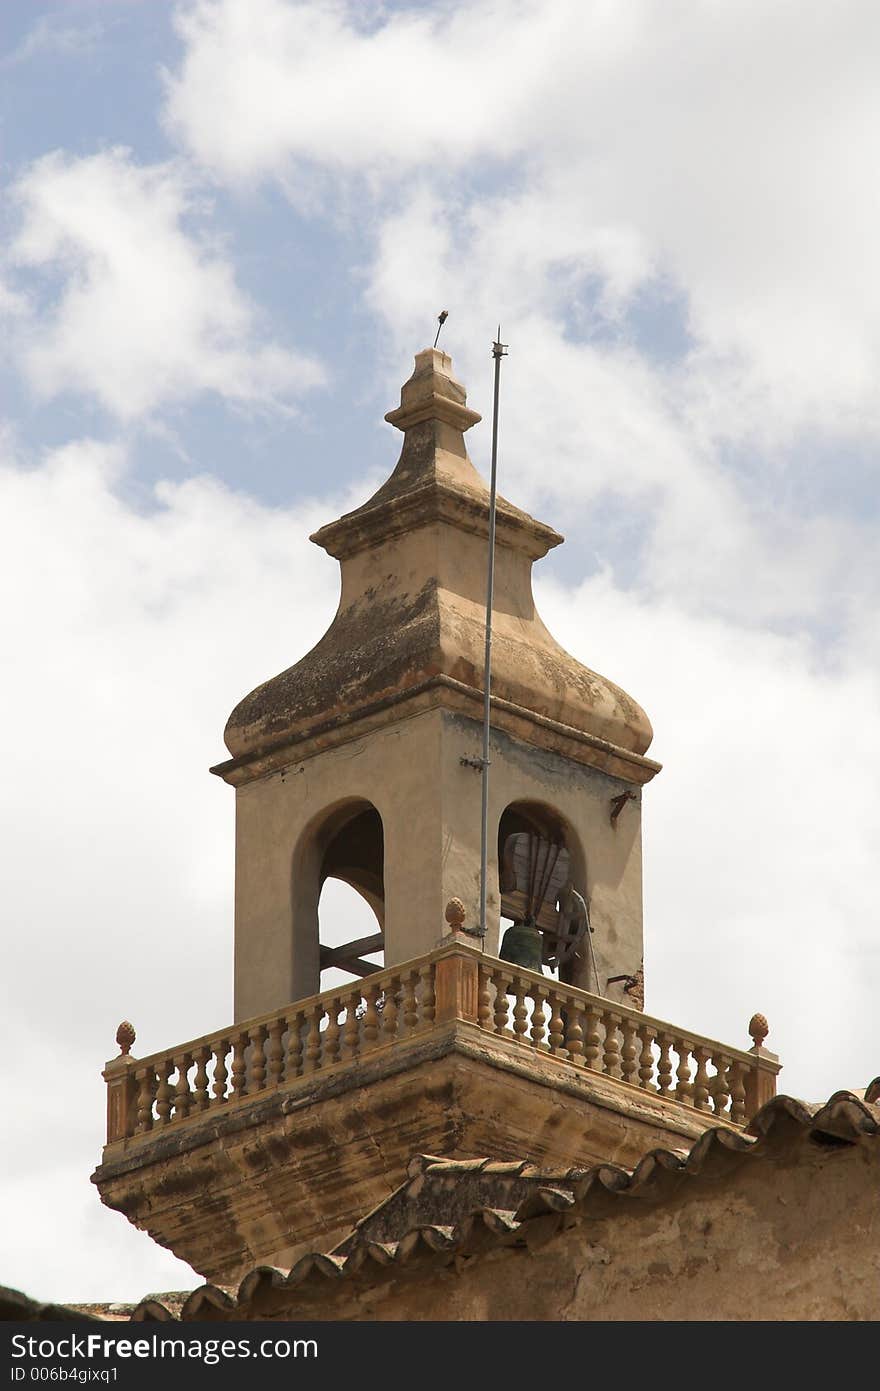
x,y
522,1194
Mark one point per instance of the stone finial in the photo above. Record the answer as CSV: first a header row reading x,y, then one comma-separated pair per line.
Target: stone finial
x,y
125,1037
758,1029
432,393
455,914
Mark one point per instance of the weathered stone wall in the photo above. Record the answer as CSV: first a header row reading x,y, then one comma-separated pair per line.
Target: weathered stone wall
x,y
791,1233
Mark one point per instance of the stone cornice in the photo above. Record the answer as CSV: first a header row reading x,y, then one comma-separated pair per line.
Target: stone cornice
x,y
448,693
434,500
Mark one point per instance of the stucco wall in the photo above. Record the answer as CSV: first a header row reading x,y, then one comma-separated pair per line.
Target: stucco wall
x,y
429,803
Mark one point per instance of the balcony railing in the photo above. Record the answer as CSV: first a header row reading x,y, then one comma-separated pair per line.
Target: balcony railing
x,y
219,1071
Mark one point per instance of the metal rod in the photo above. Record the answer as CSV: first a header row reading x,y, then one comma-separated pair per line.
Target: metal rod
x,y
499,350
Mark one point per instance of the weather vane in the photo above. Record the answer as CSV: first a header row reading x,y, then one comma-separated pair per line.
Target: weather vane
x,y
441,320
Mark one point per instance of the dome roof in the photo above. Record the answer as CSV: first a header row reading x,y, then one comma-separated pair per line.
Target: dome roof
x,y
411,617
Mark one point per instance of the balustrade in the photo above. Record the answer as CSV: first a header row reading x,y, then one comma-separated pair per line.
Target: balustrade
x,y
532,1012
615,1041
337,1026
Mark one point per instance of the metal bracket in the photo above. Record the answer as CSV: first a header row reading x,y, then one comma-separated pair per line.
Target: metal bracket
x,y
478,763
630,981
618,804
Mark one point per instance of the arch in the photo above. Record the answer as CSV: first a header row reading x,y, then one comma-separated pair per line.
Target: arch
x,y
354,852
343,842
544,822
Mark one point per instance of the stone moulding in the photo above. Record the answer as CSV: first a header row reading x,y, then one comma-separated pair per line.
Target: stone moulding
x,y
452,694
433,501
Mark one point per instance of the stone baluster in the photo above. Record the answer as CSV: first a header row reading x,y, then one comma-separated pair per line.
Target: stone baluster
x,y
313,1039
720,1087
591,1038
165,1091
201,1097
182,1095
737,1093
701,1080
352,1035
611,1053
646,1058
296,1037
429,999
557,1027
275,1051
683,1090
146,1080
332,1037
501,1012
628,1065
520,1013
257,1070
574,1034
484,999
664,1065
221,1076
389,1009
371,1014
239,1065
539,1022
410,1003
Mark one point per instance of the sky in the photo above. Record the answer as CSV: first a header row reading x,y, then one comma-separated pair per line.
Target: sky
x,y
226,226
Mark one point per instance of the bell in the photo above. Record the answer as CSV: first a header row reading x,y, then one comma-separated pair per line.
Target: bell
x,y
522,945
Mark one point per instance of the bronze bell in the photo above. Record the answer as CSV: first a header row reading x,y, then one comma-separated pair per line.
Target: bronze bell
x,y
522,945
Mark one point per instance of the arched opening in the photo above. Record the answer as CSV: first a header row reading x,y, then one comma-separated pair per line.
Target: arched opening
x,y
351,905
544,898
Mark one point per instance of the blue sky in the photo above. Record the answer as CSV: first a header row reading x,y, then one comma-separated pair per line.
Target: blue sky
x,y
88,77
227,226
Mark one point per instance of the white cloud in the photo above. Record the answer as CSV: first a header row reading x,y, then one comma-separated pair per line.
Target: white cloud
x,y
608,159
132,638
139,313
297,78
724,146
50,35
761,832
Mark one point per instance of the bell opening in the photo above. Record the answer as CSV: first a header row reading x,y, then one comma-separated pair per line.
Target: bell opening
x,y
544,916
351,911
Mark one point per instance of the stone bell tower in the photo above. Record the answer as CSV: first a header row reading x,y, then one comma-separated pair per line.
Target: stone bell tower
x,y
267,1141
353,762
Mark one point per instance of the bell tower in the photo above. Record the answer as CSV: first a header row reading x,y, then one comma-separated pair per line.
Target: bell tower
x,y
358,761
267,1141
